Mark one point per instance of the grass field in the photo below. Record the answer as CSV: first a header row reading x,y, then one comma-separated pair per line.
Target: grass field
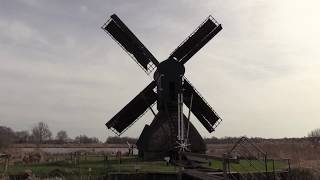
x,y
250,165
90,166
98,166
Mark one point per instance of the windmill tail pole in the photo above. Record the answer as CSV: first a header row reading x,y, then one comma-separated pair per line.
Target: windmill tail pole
x,y
189,116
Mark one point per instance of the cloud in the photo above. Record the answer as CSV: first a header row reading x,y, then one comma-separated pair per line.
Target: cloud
x,y
57,65
18,32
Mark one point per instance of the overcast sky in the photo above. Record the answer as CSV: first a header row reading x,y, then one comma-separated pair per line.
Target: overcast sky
x,y
260,73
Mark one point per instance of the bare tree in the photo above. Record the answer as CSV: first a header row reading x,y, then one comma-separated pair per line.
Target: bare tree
x,y
41,132
314,133
62,136
22,136
6,136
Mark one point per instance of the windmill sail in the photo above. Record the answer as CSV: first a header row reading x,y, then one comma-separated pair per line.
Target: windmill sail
x,y
203,34
200,108
133,110
129,42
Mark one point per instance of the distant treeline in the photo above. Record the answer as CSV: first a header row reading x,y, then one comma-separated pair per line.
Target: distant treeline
x,y
120,140
232,140
223,140
41,134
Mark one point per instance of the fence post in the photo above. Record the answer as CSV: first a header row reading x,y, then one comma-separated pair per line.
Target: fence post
x,y
274,172
266,165
6,164
224,166
289,169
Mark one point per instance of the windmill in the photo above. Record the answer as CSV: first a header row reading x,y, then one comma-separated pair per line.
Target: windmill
x,y
170,130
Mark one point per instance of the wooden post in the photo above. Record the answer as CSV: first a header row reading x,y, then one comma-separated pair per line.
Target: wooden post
x,y
289,169
180,173
274,172
104,160
224,166
6,164
266,165
119,161
75,159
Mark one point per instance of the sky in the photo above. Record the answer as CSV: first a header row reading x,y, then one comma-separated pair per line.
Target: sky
x,y
260,73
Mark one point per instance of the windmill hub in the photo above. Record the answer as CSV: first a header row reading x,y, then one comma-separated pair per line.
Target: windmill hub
x,y
169,68
168,130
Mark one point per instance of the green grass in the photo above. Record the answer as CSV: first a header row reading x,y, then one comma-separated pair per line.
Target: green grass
x,y
248,165
98,167
91,166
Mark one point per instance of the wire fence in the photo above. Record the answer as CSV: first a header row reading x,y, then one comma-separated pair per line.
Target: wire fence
x,y
246,160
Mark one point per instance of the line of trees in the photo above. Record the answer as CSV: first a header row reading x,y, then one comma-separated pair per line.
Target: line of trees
x,y
6,136
120,140
314,133
40,134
